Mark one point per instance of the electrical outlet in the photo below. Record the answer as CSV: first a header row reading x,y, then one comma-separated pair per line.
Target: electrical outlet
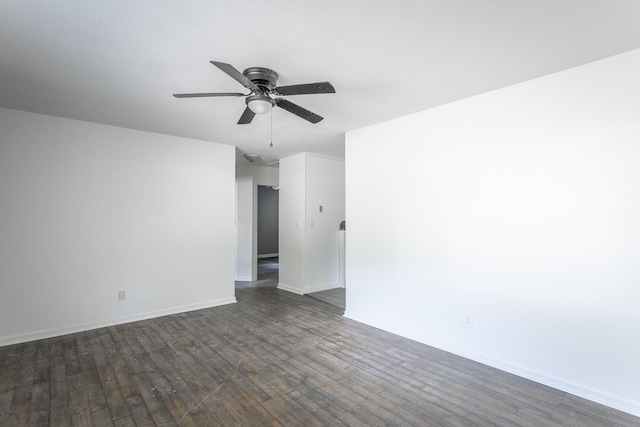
x,y
122,296
467,320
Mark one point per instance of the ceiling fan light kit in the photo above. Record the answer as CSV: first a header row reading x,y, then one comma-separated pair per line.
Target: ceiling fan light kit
x,y
259,104
262,82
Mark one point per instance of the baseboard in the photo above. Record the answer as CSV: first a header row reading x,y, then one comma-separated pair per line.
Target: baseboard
x,y
268,255
50,333
606,399
319,288
289,289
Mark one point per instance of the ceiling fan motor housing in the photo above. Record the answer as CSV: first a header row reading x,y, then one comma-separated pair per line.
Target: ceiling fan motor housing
x,y
266,80
262,77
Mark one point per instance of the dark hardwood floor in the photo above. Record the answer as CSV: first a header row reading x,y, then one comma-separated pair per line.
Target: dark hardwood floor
x,y
335,297
272,359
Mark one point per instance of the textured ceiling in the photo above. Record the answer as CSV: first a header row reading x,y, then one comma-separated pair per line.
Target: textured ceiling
x,y
118,62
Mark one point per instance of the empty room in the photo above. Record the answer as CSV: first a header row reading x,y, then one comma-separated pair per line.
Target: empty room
x,y
434,222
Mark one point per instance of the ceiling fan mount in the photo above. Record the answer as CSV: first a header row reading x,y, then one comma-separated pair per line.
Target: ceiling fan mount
x,y
262,77
262,82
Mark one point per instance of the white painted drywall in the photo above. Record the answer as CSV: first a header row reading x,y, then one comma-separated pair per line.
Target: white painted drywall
x,y
342,272
291,235
262,175
309,239
246,230
248,177
89,210
518,209
324,186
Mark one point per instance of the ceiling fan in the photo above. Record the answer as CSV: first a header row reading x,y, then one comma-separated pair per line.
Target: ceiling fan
x,y
265,94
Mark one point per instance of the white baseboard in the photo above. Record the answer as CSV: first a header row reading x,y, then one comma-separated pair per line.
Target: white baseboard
x,y
50,333
323,287
290,289
597,396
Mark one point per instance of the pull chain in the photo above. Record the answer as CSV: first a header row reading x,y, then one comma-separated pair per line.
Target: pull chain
x,y
271,144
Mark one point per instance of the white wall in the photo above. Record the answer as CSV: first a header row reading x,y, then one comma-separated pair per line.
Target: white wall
x,y
248,177
89,210
291,224
262,175
324,186
309,239
518,210
246,229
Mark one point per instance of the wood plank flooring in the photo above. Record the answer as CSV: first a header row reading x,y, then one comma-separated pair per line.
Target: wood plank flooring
x,y
335,297
272,359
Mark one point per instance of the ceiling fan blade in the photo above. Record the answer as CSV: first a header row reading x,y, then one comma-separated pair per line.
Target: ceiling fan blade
x,y
202,95
237,75
298,110
308,88
246,117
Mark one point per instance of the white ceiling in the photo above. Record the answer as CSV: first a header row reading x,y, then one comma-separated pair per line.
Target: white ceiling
x,y
118,62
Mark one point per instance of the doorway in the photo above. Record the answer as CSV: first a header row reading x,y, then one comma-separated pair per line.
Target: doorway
x,y
267,224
